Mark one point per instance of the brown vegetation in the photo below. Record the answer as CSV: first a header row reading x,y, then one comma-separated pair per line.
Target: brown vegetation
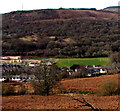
x,y
78,33
87,84
63,101
57,102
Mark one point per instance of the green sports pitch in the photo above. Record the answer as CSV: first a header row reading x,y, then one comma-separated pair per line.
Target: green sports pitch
x,y
67,62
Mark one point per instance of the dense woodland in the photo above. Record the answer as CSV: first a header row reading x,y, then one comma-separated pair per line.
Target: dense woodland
x,y
59,35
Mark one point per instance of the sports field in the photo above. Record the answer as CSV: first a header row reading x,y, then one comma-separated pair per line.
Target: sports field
x,y
67,62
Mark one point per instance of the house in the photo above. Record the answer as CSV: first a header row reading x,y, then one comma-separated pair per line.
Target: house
x,y
2,78
103,71
18,78
94,66
77,68
47,62
31,60
31,77
89,66
15,78
6,67
70,72
97,66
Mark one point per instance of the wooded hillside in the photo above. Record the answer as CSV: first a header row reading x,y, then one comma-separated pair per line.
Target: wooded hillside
x,y
61,33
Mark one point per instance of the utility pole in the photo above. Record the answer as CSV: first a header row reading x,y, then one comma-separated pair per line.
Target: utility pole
x,y
22,5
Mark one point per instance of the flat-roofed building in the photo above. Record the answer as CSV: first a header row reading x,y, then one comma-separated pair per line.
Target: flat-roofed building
x,y
11,59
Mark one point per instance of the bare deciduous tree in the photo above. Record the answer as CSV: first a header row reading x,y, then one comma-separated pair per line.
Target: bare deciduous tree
x,y
47,77
115,58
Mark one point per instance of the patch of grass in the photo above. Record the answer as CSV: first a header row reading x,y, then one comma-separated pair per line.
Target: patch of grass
x,y
67,62
84,92
74,91
28,38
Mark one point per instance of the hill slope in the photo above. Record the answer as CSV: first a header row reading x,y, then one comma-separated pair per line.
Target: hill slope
x,y
113,9
48,14
60,33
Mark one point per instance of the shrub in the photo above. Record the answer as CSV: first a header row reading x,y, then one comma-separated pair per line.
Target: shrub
x,y
63,75
38,87
108,88
77,75
21,90
115,58
7,90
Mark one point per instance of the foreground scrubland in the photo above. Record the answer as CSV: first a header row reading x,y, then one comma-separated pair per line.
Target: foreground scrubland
x,y
62,101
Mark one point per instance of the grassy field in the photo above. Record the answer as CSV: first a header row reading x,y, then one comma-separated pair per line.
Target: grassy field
x,y
28,38
67,62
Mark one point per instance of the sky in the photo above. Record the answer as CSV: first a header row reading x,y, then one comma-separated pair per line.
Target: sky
x,y
15,5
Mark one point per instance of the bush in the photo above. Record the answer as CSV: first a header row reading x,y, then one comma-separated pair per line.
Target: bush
x,y
20,90
7,90
115,58
77,75
39,88
109,88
